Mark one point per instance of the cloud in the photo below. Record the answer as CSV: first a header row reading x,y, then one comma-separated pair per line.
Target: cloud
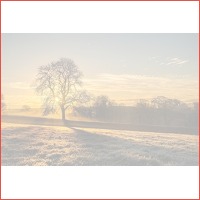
x,y
125,86
19,85
169,61
176,61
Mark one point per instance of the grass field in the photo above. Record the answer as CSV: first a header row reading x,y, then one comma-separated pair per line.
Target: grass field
x,y
37,145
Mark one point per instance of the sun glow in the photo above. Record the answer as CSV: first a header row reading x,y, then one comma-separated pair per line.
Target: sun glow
x,y
56,99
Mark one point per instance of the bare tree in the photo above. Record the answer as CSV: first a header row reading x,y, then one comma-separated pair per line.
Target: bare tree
x,y
161,102
102,107
25,108
103,101
59,83
143,104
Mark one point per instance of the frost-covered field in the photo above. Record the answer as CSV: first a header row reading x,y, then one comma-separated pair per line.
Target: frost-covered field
x,y
45,145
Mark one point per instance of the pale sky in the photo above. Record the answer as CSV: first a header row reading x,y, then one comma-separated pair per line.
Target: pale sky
x,y
125,67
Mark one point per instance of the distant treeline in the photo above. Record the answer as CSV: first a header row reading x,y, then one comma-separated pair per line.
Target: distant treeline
x,y
160,111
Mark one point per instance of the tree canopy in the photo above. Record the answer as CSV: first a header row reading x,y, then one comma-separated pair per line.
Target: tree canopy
x,y
59,83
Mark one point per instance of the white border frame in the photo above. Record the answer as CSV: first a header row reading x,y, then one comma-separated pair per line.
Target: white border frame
x,y
100,182
100,17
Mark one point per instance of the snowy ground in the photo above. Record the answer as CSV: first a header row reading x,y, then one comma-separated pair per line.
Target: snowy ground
x,y
44,145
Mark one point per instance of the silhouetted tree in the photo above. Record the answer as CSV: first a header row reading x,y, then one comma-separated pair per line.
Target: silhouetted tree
x,y
103,101
59,83
102,107
142,103
26,108
166,103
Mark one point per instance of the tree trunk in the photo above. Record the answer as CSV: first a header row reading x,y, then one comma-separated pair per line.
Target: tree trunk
x,y
63,113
